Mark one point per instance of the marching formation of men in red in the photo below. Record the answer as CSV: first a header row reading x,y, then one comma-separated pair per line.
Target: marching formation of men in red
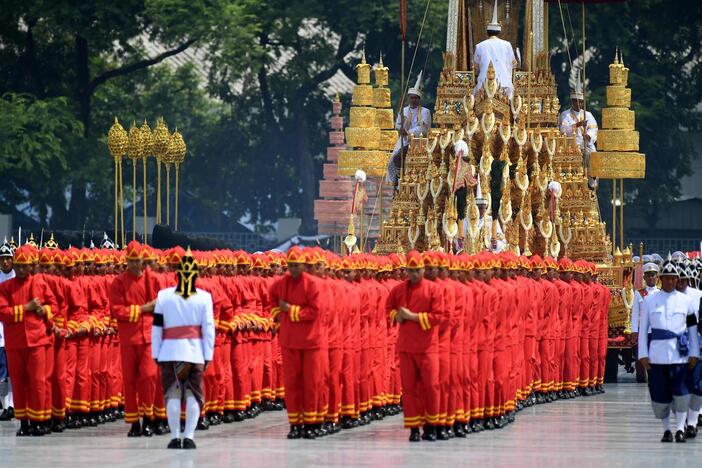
x,y
458,343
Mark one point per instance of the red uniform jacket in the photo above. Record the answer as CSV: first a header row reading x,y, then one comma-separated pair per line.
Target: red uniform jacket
x,y
24,329
300,327
127,294
425,299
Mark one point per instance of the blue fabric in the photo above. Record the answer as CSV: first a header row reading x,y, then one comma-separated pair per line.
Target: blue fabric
x,y
696,379
4,372
661,334
668,380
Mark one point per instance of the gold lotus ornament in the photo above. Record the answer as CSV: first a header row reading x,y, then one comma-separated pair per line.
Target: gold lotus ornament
x,y
117,140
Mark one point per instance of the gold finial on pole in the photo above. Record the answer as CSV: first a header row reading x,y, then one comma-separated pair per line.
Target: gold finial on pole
x,y
135,149
117,140
148,137
162,139
177,157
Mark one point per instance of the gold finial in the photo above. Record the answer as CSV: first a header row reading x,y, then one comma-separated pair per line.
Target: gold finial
x,y
381,58
616,55
337,99
621,57
363,56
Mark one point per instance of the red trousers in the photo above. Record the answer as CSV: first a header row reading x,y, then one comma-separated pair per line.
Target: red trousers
x,y
323,394
269,384
256,369
59,390
547,352
532,368
420,388
584,373
456,404
114,373
336,357
444,384
364,380
240,376
277,367
602,357
571,363
139,374
212,379
560,364
302,371
378,381
394,385
80,400
96,355
501,365
349,380
28,373
226,393
472,386
593,355
486,387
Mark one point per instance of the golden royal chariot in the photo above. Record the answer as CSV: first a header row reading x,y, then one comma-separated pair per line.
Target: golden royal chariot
x,y
514,149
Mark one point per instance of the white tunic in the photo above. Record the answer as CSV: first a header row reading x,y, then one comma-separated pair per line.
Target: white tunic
x,y
667,311
178,312
4,277
501,54
567,121
417,122
500,243
636,307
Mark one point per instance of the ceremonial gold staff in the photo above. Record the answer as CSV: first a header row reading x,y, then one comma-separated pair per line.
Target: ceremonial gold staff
x,y
148,138
177,156
162,138
117,140
135,149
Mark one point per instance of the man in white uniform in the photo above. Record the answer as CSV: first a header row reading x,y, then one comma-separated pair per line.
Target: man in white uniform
x,y
581,123
500,53
6,272
672,353
182,343
650,274
416,122
687,274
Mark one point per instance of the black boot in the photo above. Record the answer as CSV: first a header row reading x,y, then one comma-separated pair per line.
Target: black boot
x,y
429,433
308,432
24,429
147,429
74,422
295,432
414,435
203,424
159,428
135,430
458,430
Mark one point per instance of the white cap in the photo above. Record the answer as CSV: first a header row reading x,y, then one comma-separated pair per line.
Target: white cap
x,y
576,91
649,267
418,86
494,26
479,200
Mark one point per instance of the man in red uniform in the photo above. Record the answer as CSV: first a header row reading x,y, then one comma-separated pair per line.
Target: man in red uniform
x,y
294,300
417,305
26,305
132,304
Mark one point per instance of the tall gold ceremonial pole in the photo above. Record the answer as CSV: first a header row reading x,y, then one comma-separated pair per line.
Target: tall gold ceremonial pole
x,y
117,140
177,157
162,138
135,148
148,139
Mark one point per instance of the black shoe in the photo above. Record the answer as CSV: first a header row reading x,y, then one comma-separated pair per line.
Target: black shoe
x,y
328,427
159,429
295,432
467,428
214,419
441,433
500,422
429,434
189,444
135,431
24,430
36,429
308,432
680,437
249,413
346,422
100,418
520,405
228,417
540,398
667,437
175,444
474,425
414,435
74,422
458,431
238,415
146,429
511,417
203,424
268,405
90,421
58,425
490,424
690,432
